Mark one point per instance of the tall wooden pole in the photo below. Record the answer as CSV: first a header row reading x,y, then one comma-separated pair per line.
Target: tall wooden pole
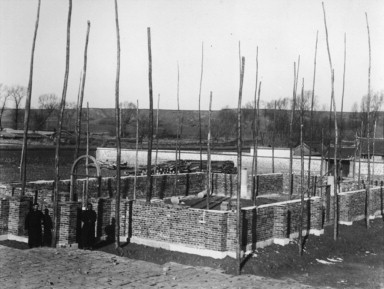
x,y
254,130
322,162
273,139
257,136
312,103
87,161
23,163
295,80
336,205
81,98
201,81
118,142
342,93
239,148
368,128
373,151
301,173
59,127
360,145
150,134
137,150
209,152
177,134
157,131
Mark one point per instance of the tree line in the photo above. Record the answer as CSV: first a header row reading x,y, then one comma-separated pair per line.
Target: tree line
x,y
274,118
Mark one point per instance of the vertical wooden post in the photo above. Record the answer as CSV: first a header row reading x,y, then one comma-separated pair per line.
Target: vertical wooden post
x,y
137,150
336,205
360,145
373,151
273,139
368,127
59,127
312,102
209,152
254,130
81,96
87,160
301,173
157,131
177,157
341,134
295,79
239,148
150,133
118,142
23,162
201,81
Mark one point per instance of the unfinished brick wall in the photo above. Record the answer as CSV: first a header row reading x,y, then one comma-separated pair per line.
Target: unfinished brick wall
x,y
226,184
296,182
162,186
177,224
4,215
67,222
18,209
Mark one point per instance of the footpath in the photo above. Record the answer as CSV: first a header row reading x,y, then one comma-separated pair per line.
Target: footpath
x,y
74,268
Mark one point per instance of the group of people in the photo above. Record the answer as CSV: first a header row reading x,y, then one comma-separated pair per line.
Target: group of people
x,y
39,227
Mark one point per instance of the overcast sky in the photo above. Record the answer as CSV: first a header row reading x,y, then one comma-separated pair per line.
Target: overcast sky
x,y
281,29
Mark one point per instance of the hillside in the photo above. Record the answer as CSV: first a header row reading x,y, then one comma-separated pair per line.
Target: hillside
x,y
102,122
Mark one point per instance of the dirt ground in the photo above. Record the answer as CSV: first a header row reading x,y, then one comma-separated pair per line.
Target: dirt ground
x,y
355,260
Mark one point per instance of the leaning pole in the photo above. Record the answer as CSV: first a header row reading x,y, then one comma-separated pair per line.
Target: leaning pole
x,y
239,146
23,164
118,144
59,127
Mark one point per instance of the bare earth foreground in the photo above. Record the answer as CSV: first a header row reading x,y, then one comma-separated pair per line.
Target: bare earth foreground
x,y
355,260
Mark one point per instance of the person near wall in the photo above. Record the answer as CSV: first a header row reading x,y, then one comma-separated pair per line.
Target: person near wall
x,y
88,219
33,222
48,226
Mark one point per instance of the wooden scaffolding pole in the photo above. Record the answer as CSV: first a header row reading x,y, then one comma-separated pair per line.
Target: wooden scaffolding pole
x,y
239,148
59,127
81,95
150,120
118,141
23,159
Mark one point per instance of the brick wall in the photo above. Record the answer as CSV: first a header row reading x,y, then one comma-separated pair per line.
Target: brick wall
x,y
352,204
4,215
226,184
18,209
67,222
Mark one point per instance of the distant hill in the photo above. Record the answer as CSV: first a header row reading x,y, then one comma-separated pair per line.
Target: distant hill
x,y
102,121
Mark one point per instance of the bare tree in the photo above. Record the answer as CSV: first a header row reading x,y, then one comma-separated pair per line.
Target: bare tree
x,y
128,112
49,104
70,111
17,93
3,101
372,105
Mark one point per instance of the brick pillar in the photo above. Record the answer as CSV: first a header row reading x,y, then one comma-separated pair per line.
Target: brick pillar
x,y
316,217
67,223
123,216
280,225
104,216
4,216
18,209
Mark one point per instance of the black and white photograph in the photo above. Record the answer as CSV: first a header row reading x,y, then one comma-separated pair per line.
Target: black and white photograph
x,y
192,144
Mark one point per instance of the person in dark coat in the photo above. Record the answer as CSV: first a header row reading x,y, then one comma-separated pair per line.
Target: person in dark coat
x,y
88,219
33,223
48,226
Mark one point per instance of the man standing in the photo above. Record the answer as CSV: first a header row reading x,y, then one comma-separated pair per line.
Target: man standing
x,y
33,223
88,218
